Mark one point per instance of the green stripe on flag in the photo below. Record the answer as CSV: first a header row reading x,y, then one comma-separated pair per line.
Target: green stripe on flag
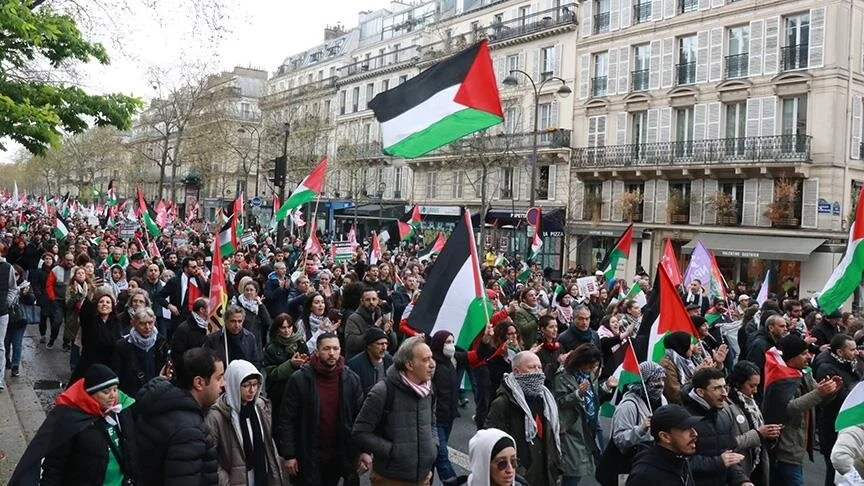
x,y
451,127
475,321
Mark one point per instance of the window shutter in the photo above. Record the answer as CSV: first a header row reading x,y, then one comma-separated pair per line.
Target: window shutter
x,y
558,57
756,27
617,210
709,213
855,149
499,65
626,6
648,201
623,69
668,62
601,131
592,131
766,196
669,8
612,72
702,53
536,63
754,114
817,38
700,115
657,10
523,62
584,75
653,123
772,45
713,131
553,115
809,203
704,4
587,17
606,208
661,197
769,115
578,199
696,202
717,3
654,66
621,128
665,133
613,15
748,211
550,195
715,69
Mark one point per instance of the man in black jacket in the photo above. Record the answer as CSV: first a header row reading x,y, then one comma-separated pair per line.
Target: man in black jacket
x,y
322,399
368,315
180,292
714,462
170,431
667,461
372,364
239,342
191,333
765,339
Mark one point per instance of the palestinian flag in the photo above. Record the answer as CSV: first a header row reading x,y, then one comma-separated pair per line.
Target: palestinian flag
x,y
453,298
670,261
852,410
161,213
375,251
146,216
352,238
313,246
763,289
847,275
227,237
452,99
406,231
712,316
781,385
416,220
637,294
621,251
536,244
627,372
60,228
524,273
500,260
238,211
273,221
308,189
433,249
664,313
111,198
218,292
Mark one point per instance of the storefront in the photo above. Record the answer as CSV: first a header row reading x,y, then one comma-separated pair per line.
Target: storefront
x,y
591,244
437,219
508,231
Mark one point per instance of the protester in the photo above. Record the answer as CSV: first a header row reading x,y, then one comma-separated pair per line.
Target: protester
x,y
233,341
285,353
193,331
372,365
579,332
678,364
100,331
667,461
368,315
55,289
493,460
141,355
256,318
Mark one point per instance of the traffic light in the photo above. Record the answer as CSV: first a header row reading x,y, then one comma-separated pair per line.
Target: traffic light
x,y
280,165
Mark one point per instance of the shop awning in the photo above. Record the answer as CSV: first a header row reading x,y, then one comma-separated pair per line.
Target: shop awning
x,y
753,246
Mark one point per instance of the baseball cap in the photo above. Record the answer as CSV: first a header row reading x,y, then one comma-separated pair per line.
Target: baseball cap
x,y
743,297
670,417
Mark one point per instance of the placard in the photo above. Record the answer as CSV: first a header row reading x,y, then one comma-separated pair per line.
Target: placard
x,y
342,252
127,229
588,285
248,238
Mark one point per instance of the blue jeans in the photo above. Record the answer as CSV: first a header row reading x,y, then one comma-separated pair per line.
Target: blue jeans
x,y
787,474
442,462
13,341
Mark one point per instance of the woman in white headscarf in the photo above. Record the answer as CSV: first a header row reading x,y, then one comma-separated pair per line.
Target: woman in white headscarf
x,y
492,459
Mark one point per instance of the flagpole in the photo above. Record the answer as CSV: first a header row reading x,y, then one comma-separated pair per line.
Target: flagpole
x,y
642,379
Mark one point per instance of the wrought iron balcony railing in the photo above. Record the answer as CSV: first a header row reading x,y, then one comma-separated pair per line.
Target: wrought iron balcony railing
x,y
641,12
380,61
301,90
532,23
737,66
745,150
640,79
685,73
601,22
546,139
369,150
598,86
794,57
685,6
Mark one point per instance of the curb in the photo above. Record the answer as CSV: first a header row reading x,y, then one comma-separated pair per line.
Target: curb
x,y
12,438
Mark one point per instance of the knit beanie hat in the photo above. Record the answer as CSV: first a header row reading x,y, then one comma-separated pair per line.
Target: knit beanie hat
x,y
374,334
678,341
437,341
99,377
791,346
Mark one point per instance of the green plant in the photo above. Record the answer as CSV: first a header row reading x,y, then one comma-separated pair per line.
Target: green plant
x,y
593,206
677,204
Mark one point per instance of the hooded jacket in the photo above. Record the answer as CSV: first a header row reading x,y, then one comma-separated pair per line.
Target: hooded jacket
x,y
659,466
480,458
356,325
223,424
278,367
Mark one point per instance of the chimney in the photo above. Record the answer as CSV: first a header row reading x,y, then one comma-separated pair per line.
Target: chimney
x,y
333,31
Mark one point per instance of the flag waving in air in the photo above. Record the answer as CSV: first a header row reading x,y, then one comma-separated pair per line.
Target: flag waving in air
x,y
620,252
847,275
146,216
852,410
664,313
111,196
626,371
218,302
433,249
375,250
227,237
452,99
670,261
308,189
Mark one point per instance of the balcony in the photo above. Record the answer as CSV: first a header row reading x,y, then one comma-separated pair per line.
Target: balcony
x,y
601,22
300,91
640,79
390,58
794,57
361,151
641,13
598,86
550,139
564,15
737,66
685,6
685,73
746,150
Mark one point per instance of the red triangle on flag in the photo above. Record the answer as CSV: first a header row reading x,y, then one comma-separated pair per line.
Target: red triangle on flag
x,y
479,89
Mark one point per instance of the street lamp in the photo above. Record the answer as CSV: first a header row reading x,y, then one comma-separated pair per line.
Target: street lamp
x,y
254,131
280,227
564,91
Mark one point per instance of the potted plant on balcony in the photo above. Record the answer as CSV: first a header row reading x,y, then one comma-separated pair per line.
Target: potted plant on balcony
x,y
593,206
781,212
678,207
725,207
631,205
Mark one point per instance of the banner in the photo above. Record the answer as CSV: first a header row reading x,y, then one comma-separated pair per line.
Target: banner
x,y
588,285
128,229
343,251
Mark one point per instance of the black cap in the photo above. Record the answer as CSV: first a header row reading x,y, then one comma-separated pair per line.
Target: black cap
x,y
670,417
791,345
374,334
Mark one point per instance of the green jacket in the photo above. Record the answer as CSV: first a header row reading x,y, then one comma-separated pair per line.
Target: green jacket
x,y
578,444
277,363
527,326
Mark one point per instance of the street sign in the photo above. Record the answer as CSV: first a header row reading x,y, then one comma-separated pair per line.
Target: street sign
x,y
824,206
255,202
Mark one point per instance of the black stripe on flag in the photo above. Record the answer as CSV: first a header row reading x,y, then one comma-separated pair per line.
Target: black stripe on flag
x,y
456,252
447,73
650,313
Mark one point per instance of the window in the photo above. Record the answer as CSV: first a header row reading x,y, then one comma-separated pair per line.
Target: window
x,y
601,70
431,184
641,11
512,63
396,53
403,78
736,123
735,191
641,66
794,124
355,98
796,37
639,132
684,132
686,67
635,213
342,102
601,18
511,119
379,59
367,132
678,203
593,201
397,183
245,110
543,182
326,109
370,93
506,183
385,85
547,63
458,179
544,111
738,46
685,6
524,12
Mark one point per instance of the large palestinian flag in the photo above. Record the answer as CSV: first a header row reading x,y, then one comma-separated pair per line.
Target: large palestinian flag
x,y
781,385
621,251
453,298
664,313
452,99
847,275
147,216
308,189
227,237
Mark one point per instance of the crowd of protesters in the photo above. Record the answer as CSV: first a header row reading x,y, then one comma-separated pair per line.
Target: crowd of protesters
x,y
315,376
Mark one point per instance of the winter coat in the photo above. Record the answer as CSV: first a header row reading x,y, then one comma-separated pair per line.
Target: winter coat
x,y
527,325
578,445
98,339
823,332
356,325
127,363
170,428
445,385
276,296
627,431
258,324
798,421
278,368
848,447
656,465
827,413
747,439
672,380
361,365
248,346
297,432
716,432
571,339
188,335
402,437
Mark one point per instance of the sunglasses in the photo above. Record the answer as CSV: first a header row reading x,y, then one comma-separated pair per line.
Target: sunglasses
x,y
502,463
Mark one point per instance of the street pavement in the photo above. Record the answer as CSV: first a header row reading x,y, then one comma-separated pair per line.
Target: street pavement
x,y
44,372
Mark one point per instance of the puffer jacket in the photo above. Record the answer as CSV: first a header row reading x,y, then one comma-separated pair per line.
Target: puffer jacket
x,y
170,427
403,441
659,466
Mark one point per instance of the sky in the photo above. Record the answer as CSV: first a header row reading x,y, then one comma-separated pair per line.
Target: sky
x,y
257,33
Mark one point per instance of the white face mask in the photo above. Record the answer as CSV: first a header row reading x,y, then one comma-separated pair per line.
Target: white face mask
x,y
449,350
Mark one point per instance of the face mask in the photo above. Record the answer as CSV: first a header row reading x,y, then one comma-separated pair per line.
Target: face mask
x,y
449,350
655,390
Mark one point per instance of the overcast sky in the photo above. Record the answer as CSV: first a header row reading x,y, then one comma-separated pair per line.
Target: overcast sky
x,y
259,33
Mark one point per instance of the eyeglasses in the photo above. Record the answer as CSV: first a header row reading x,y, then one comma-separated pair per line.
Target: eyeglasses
x,y
250,385
502,463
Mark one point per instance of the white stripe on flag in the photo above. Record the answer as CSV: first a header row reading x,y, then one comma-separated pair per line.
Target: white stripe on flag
x,y
437,107
459,296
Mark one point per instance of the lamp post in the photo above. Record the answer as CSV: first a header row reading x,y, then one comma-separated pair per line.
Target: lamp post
x,y
563,91
280,228
254,131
